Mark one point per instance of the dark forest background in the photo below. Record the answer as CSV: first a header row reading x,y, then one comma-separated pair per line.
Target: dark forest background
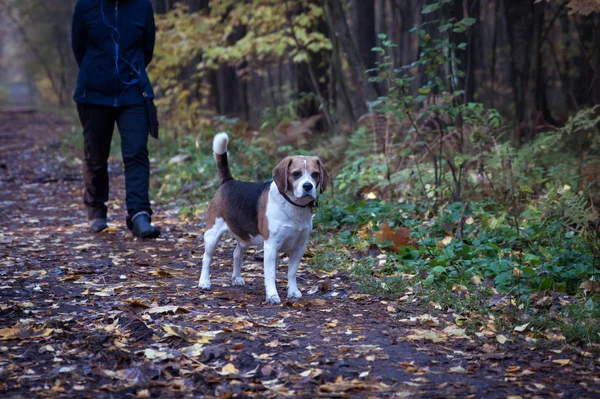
x,y
534,61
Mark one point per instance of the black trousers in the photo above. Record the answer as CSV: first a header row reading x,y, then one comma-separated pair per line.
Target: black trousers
x,y
98,124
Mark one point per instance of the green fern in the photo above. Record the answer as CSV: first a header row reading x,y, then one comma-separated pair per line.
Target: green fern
x,y
576,212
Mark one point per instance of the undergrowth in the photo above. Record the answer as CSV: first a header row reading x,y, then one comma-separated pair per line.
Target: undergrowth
x,y
431,202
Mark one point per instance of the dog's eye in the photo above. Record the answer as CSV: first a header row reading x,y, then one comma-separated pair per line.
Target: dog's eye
x,y
296,175
315,175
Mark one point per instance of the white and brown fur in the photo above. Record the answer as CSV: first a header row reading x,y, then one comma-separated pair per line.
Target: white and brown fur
x,y
259,214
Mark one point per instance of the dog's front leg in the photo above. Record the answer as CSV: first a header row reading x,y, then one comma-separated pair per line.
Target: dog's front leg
x,y
270,265
238,253
295,256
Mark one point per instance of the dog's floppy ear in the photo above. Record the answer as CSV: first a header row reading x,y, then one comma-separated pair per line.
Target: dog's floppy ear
x,y
280,174
323,176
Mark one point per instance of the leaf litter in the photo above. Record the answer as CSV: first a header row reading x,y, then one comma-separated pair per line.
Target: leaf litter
x,y
108,315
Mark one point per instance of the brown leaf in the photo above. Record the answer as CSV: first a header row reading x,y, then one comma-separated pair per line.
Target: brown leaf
x,y
591,286
400,238
162,273
168,309
583,7
189,334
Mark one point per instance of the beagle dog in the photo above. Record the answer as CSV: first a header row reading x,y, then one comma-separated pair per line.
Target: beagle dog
x,y
277,215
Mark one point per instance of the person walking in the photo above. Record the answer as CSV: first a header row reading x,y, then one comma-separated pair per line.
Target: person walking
x,y
113,43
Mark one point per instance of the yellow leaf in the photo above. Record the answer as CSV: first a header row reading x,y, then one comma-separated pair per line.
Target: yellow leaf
x,y
447,240
228,369
24,332
272,344
332,323
457,370
513,369
562,362
311,373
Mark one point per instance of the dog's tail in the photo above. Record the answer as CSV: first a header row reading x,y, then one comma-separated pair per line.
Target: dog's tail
x,y
220,149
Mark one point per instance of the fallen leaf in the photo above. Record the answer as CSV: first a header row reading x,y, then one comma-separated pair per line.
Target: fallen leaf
x,y
84,247
399,238
167,309
133,376
447,240
189,334
228,369
457,370
162,273
590,286
521,328
456,332
152,354
562,362
460,320
193,351
311,373
501,338
426,335
487,348
24,332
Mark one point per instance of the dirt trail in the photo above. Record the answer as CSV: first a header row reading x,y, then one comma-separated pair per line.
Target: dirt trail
x,y
109,316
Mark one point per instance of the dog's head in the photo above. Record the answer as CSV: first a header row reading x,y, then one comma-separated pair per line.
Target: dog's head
x,y
300,176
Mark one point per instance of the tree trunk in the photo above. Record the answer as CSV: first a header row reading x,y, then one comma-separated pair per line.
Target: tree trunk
x,y
309,104
366,38
357,77
519,21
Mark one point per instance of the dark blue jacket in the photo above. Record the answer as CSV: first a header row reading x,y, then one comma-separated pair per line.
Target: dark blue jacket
x,y
103,29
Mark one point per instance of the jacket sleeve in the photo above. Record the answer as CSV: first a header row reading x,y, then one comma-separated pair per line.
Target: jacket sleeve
x,y
149,35
78,34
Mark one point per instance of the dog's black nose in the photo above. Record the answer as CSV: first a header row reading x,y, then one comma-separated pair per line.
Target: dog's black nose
x,y
307,186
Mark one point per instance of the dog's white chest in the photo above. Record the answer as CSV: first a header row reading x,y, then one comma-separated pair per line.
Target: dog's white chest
x,y
290,238
289,226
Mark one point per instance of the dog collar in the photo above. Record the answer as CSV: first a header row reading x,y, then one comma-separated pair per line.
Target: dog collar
x,y
312,204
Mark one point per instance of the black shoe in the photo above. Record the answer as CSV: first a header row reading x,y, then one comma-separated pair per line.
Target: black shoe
x,y
141,227
97,225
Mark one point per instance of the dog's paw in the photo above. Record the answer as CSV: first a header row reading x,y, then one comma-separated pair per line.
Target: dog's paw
x,y
294,293
273,299
237,281
204,285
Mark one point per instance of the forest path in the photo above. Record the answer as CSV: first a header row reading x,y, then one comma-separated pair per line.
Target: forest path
x,y
110,316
